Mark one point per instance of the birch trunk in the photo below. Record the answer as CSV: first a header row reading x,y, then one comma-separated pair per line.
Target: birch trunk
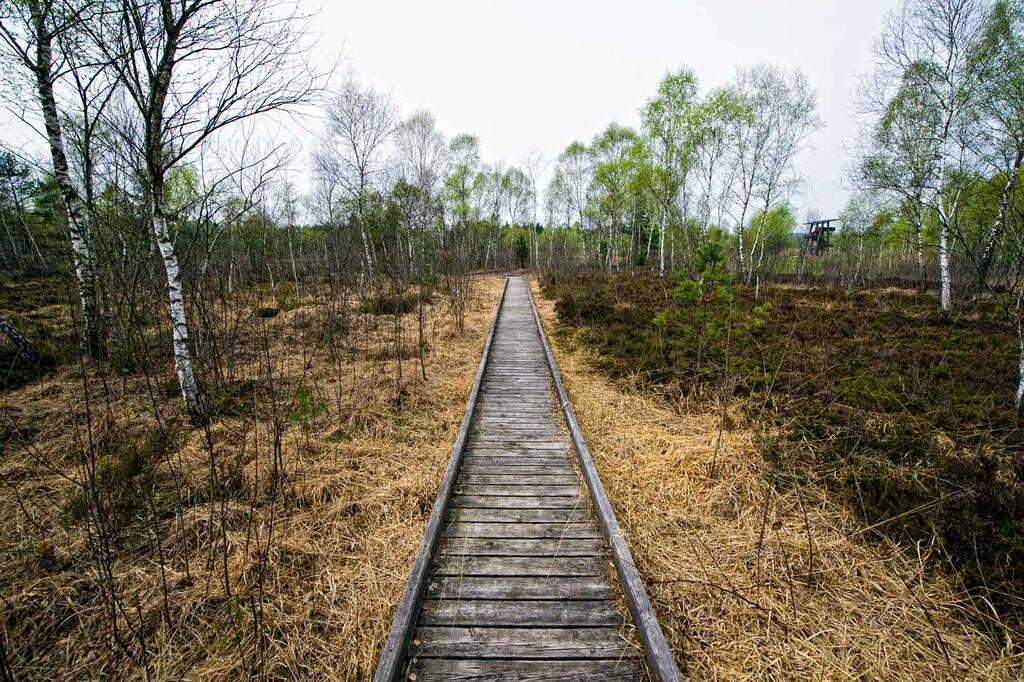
x,y
79,228
661,245
758,236
992,238
1019,400
920,256
739,237
179,323
20,342
945,297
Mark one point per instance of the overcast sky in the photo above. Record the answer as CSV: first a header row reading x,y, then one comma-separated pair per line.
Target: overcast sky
x,y
537,74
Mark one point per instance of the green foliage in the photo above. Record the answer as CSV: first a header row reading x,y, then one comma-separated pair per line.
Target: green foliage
x,y
307,407
234,399
901,411
703,315
522,250
778,226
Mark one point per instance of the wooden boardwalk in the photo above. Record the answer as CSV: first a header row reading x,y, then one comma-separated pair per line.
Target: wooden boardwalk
x,y
515,583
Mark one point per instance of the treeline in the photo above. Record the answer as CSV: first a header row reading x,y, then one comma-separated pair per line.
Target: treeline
x,y
157,173
936,165
159,182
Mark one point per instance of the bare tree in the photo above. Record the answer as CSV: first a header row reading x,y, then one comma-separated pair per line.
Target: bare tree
x,y
784,104
422,159
191,69
778,112
360,123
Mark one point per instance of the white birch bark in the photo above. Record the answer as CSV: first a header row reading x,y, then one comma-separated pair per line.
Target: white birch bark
x,y
179,323
661,245
995,229
945,296
1019,400
79,228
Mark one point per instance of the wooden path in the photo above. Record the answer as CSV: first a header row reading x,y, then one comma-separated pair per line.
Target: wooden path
x,y
512,581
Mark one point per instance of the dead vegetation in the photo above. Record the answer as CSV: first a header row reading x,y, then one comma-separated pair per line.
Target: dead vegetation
x,y
753,580
274,545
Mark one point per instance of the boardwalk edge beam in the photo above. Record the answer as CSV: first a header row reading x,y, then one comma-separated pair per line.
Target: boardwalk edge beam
x,y
659,657
393,656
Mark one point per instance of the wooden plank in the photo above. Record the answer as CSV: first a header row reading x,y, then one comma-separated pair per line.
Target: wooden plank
x,y
512,443
516,469
505,458
497,670
506,490
557,461
534,613
522,530
561,643
395,646
659,656
520,547
580,516
518,502
556,476
520,566
522,448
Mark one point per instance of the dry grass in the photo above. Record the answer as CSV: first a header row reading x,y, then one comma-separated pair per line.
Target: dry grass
x,y
755,583
361,476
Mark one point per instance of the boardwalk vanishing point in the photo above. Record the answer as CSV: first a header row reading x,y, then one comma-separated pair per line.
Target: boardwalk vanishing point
x,y
512,580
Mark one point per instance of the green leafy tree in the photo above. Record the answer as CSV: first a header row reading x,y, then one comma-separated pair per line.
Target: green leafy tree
x,y
668,120
703,316
522,250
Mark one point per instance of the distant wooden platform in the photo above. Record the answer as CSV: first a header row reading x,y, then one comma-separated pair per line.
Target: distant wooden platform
x,y
513,578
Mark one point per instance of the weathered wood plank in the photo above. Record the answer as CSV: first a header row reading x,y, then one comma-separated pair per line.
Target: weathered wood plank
x,y
496,670
537,531
506,490
520,566
581,516
534,613
559,462
520,547
561,643
514,469
555,476
498,442
518,502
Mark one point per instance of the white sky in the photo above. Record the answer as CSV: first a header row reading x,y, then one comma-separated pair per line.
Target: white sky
x,y
536,75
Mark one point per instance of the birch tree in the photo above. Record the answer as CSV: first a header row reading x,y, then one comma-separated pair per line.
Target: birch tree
x,y
31,32
931,46
361,121
576,170
779,113
667,126
712,120
898,156
1001,107
191,69
784,105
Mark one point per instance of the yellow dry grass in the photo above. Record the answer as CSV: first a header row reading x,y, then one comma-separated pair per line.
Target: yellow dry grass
x,y
752,583
342,534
